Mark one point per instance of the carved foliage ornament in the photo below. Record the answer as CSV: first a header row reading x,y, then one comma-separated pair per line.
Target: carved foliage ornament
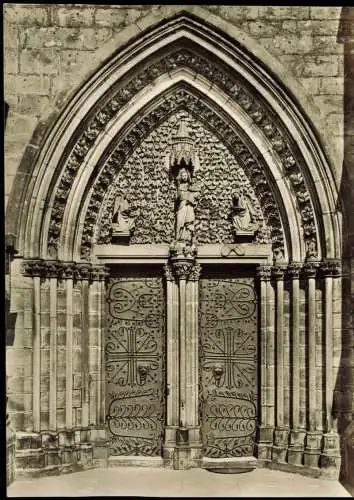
x,y
64,270
225,79
139,168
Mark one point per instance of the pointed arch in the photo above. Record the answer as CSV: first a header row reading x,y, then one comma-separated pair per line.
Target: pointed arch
x,y
237,84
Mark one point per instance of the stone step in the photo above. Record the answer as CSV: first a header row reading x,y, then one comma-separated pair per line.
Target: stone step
x,y
233,465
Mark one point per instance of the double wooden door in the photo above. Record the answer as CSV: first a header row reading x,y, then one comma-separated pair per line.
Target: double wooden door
x,y
135,362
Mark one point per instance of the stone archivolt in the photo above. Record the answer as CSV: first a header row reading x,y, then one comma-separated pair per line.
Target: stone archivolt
x,y
230,83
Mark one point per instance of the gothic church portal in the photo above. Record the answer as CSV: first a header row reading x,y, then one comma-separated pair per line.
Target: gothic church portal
x,y
179,263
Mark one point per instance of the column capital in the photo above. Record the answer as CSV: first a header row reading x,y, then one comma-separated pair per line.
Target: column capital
x,y
66,270
294,270
195,272
33,267
99,273
264,272
278,272
331,268
310,269
182,267
83,271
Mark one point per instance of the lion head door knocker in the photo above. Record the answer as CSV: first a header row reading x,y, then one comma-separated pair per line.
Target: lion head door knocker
x,y
183,161
218,371
123,220
243,215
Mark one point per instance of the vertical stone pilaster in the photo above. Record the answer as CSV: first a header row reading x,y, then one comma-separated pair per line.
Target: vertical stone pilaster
x,y
281,432
37,354
330,456
172,389
192,358
313,436
188,445
69,275
265,430
297,434
82,274
98,276
53,354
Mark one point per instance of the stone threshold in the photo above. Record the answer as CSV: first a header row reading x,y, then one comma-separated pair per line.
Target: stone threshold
x,y
233,465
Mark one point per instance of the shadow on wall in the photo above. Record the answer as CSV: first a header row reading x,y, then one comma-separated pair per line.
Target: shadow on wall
x,y
343,407
10,318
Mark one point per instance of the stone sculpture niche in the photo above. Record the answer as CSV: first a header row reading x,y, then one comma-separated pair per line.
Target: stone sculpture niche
x,y
123,220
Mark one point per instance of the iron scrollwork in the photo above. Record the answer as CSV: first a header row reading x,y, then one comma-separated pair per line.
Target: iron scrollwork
x,y
228,359
134,359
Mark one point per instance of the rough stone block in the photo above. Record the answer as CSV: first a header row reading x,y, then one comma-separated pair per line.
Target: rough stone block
x,y
28,84
261,29
284,12
11,65
10,36
30,15
41,62
73,17
325,12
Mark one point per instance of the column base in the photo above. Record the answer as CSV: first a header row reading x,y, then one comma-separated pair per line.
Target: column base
x,y
330,459
264,443
296,447
280,446
49,452
312,450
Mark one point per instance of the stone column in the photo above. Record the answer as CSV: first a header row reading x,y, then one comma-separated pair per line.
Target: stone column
x,y
330,457
172,389
313,436
83,274
182,267
281,432
68,275
53,285
192,368
96,362
297,435
266,428
34,268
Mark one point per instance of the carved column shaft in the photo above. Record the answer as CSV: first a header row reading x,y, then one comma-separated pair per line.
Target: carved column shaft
x,y
93,334
313,436
182,352
265,438
172,348
172,376
297,434
270,355
69,354
53,354
279,276
329,350
311,332
37,354
83,275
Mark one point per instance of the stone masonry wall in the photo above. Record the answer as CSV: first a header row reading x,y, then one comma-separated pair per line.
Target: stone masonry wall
x,y
49,49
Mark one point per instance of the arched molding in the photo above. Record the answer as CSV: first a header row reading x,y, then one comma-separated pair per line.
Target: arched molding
x,y
220,105
314,167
